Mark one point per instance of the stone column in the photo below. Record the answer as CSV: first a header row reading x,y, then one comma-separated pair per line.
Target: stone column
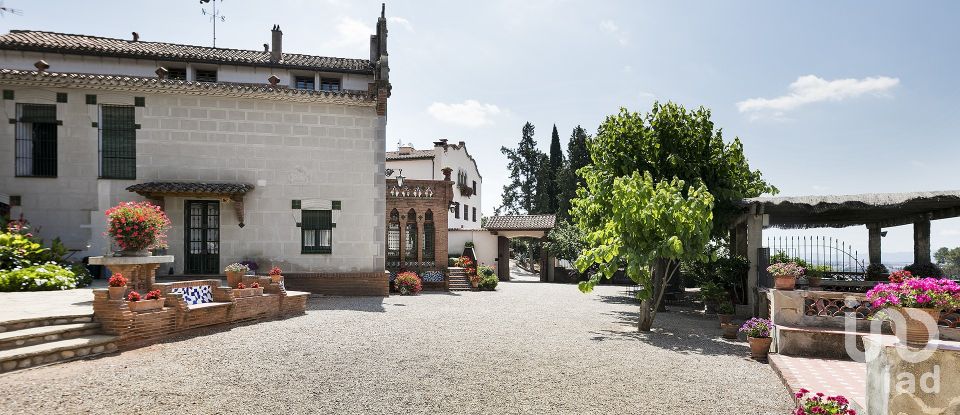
x,y
921,242
739,235
873,231
754,242
503,258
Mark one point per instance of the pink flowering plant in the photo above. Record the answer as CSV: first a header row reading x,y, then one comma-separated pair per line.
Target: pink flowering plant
x,y
900,276
757,327
137,226
916,293
786,269
820,404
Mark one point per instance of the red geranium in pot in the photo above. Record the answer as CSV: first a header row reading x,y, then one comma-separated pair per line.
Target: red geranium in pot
x,y
137,227
117,285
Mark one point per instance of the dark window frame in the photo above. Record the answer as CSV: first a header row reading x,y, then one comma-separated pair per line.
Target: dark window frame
x,y
456,210
318,222
307,83
474,214
177,74
117,143
331,84
205,75
36,139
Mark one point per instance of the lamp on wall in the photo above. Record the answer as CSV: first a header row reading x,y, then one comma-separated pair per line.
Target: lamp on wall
x,y
400,178
453,206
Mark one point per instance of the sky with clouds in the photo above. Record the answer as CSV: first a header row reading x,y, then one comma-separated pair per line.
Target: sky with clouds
x,y
828,97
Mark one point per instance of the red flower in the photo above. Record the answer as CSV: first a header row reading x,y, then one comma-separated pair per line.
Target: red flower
x,y
133,296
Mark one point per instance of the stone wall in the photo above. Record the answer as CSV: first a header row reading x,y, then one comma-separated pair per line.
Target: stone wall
x,y
363,284
287,150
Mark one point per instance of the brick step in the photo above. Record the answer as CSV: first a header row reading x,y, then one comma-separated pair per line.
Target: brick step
x,y
56,351
43,334
461,288
27,323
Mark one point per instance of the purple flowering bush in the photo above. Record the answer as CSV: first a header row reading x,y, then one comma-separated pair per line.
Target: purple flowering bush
x,y
916,293
757,327
786,269
818,404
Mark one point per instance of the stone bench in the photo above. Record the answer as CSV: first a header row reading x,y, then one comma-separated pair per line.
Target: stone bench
x,y
196,294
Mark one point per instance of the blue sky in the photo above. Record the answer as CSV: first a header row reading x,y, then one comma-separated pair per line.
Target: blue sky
x,y
828,97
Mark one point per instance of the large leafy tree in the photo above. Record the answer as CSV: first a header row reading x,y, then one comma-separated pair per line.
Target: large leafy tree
x,y
650,227
524,164
671,141
949,259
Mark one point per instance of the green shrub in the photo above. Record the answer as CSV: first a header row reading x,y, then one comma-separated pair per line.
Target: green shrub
x,y
713,292
924,270
488,283
84,278
486,271
19,251
44,277
877,272
726,308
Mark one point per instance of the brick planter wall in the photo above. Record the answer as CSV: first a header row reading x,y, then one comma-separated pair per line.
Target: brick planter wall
x,y
138,329
347,284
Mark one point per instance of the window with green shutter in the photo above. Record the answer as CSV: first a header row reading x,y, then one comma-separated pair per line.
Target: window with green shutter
x,y
36,140
316,232
118,142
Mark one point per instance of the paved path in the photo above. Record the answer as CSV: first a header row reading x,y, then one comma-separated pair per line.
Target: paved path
x,y
831,377
526,348
34,304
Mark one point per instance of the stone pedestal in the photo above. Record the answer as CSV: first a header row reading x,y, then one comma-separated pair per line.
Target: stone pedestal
x,y
140,271
899,383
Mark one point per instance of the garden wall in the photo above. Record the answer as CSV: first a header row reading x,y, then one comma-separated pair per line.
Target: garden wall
x,y
357,283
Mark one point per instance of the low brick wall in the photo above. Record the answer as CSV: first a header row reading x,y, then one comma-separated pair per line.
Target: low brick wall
x,y
137,329
346,284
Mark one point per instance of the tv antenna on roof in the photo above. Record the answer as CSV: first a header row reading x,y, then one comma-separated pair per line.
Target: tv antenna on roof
x,y
11,10
214,16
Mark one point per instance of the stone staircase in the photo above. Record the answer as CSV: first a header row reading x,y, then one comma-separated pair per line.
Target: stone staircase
x,y
44,340
459,280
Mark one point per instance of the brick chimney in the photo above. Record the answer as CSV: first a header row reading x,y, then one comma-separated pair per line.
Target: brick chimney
x,y
276,51
405,149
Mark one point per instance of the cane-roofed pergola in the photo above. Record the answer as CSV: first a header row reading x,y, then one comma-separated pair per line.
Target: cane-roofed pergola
x,y
873,210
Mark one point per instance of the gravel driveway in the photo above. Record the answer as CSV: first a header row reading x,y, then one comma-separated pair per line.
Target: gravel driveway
x,y
527,348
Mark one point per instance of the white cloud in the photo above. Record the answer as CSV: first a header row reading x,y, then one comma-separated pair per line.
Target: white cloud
x,y
402,22
471,113
809,89
350,33
612,29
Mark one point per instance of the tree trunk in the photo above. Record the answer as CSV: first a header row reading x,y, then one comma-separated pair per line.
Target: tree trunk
x,y
645,322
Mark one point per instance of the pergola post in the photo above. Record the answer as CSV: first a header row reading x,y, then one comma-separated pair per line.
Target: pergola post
x,y
503,258
874,232
921,242
754,242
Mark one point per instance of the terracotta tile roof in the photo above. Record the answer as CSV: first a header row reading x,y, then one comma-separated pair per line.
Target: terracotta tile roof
x,y
40,41
123,82
415,154
521,222
190,187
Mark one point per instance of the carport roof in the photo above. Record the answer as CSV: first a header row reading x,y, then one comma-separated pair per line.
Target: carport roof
x,y
521,222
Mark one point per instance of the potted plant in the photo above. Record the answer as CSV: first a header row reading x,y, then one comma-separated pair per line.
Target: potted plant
x,y
151,302
117,285
785,275
276,274
240,290
256,289
408,283
725,313
137,227
235,273
712,295
820,404
918,300
729,330
758,334
252,266
815,275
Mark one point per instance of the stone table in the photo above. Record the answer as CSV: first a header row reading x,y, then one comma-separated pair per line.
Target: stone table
x,y
140,271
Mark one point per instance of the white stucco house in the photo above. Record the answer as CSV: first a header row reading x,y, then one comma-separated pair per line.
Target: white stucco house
x,y
259,154
465,213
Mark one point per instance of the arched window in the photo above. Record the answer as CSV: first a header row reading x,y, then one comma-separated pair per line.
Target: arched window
x,y
429,237
410,241
393,238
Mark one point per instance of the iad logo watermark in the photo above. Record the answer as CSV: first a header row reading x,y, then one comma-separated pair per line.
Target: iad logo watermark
x,y
913,328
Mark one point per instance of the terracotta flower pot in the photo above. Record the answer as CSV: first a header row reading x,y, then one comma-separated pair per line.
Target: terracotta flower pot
x,y
785,282
729,330
139,252
116,293
234,278
759,347
146,305
724,318
276,278
256,291
917,332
